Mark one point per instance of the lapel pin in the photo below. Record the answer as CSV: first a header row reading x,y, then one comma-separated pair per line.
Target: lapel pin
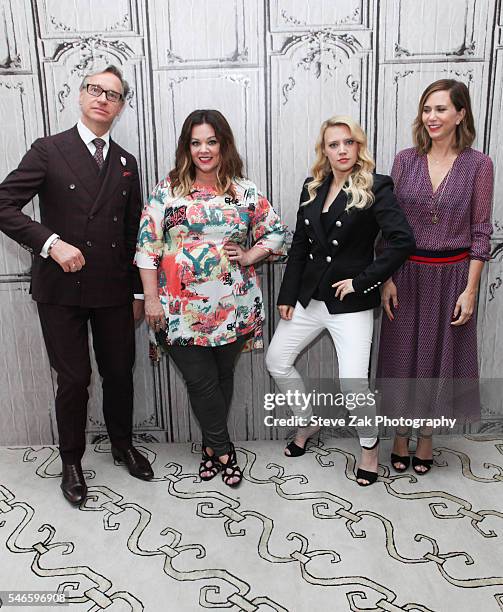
x,y
123,161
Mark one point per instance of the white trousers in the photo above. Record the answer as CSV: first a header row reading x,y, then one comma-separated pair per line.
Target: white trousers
x,y
351,333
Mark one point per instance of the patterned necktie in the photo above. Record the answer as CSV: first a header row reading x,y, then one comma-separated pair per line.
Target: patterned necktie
x,y
99,143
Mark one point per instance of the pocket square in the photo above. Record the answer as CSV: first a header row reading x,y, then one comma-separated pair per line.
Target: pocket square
x,y
127,173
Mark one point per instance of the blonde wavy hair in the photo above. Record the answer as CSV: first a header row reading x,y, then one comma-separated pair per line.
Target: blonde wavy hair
x,y
358,185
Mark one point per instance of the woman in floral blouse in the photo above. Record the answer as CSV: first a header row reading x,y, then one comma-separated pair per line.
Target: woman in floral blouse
x,y
202,298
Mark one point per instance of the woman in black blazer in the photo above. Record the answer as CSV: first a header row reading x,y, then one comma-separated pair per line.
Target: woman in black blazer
x,y
332,279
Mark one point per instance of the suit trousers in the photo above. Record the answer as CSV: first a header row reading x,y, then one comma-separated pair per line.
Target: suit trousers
x,y
65,331
209,374
351,334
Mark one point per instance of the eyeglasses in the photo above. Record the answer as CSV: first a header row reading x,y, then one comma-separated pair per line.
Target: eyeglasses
x,y
96,91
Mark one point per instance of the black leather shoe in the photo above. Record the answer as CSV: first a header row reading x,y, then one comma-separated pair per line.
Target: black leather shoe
x,y
136,463
73,483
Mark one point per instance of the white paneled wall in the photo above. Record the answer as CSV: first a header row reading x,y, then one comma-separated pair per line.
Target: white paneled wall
x,y
276,69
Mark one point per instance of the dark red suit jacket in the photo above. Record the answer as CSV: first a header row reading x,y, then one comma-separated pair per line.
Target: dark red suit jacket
x,y
97,214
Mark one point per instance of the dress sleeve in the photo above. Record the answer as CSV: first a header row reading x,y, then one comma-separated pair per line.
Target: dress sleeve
x,y
150,242
396,170
481,204
267,231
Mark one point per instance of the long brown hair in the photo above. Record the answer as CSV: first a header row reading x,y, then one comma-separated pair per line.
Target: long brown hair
x,y
460,97
359,183
182,176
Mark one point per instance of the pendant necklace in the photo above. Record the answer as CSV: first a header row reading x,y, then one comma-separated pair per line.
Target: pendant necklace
x,y
436,203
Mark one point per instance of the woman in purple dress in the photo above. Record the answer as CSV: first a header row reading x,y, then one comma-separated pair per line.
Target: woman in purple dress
x,y
428,332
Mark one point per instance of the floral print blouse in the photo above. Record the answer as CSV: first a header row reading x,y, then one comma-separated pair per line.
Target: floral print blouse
x,y
207,299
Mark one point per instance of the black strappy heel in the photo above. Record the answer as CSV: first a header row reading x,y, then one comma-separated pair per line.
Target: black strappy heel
x,y
209,463
231,469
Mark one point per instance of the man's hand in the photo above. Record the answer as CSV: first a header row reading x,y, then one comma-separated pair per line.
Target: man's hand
x,y
67,256
138,310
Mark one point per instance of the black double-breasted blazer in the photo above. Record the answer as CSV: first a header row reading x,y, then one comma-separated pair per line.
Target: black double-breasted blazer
x,y
96,212
320,256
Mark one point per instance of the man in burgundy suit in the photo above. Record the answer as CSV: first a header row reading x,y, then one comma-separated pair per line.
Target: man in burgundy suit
x,y
82,272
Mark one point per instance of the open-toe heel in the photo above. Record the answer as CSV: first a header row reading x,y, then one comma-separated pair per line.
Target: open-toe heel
x,y
405,459
418,462
294,450
400,459
209,463
426,463
231,469
371,477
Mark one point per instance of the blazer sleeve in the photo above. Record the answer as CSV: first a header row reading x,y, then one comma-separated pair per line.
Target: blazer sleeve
x,y
297,257
17,189
132,224
398,237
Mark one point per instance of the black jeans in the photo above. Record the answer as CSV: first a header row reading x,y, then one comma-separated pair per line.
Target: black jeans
x,y
209,374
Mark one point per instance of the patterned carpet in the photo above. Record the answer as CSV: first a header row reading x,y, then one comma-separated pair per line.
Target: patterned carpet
x,y
298,535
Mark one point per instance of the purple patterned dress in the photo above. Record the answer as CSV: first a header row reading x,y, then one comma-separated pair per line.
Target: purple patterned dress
x,y
421,343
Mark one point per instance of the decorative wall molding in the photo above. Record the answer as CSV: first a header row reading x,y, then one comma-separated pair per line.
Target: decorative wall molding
x,y
296,15
92,48
192,34
60,19
16,38
416,30
493,139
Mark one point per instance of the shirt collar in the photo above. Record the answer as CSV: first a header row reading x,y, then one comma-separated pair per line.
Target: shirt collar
x,y
88,136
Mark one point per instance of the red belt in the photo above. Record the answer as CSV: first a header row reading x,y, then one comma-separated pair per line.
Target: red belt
x,y
439,257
